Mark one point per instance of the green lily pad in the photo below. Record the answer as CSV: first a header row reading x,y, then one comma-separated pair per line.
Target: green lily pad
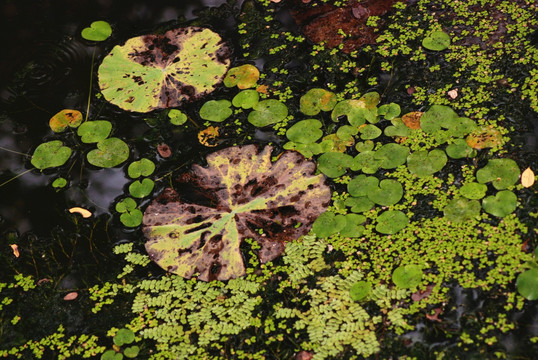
x,y
473,190
328,224
50,154
437,117
391,221
502,204
59,183
407,277
367,145
140,189
360,290
152,72
307,150
359,204
398,128
459,149
527,284
369,132
459,210
355,111
502,173
109,153
177,117
389,111
462,126
316,100
246,99
142,167
423,163
305,131
98,31
367,162
130,215
216,110
267,112
244,76
392,155
123,336
370,100
64,119
94,131
436,41
388,193
125,205
131,352
332,142
111,355
334,164
362,185
346,132
485,136
247,192
353,227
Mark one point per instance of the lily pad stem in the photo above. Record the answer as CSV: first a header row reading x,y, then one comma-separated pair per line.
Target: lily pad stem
x,y
91,83
16,176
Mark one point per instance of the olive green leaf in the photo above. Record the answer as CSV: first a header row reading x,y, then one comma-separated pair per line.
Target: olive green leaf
x,y
502,173
461,127
130,215
346,132
267,112
436,41
65,118
369,132
367,162
389,111
367,145
359,204
334,164
98,31
391,221
388,193
392,155
141,189
305,131
243,192
459,210
123,336
527,284
354,110
316,100
109,153
459,149
370,100
142,167
94,131
152,72
131,352
362,185
407,277
473,190
423,163
353,227
177,117
216,110
244,76
398,128
502,204
307,150
328,224
246,99
111,355
437,117
59,183
50,154
360,290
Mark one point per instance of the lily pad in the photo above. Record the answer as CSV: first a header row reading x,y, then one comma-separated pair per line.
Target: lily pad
x,y
305,131
359,204
502,173
392,155
397,129
216,110
502,204
412,119
316,100
462,126
346,132
362,185
367,145
391,221
354,110
152,72
527,284
367,162
246,99
389,111
360,290
142,167
332,142
267,112
177,117
109,153
484,137
140,189
437,117
243,191
460,149
111,355
307,150
407,277
388,193
94,131
473,190
130,215
369,132
334,164
328,224
59,183
123,336
459,210
50,154
423,163
98,31
64,119
436,41
244,76
353,227
131,351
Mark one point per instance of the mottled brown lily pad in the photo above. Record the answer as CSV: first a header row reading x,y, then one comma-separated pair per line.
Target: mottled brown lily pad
x,y
152,72
240,194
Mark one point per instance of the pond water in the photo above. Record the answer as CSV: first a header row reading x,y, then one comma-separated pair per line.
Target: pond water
x,y
47,66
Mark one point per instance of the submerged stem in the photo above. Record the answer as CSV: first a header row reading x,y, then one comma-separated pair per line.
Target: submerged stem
x,y
16,176
91,84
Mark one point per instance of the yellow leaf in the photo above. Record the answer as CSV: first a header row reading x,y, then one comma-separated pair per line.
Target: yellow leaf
x,y
15,249
85,213
527,178
209,136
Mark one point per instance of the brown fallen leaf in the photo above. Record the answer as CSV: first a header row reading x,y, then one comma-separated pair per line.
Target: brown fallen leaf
x,y
85,213
71,296
419,295
435,315
527,178
164,150
15,249
208,137
412,119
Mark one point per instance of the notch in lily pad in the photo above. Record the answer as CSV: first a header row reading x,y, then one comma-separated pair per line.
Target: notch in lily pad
x,y
267,112
244,76
216,110
130,216
97,31
64,119
50,154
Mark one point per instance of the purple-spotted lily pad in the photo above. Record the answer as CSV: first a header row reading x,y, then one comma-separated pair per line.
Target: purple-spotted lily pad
x,y
240,194
152,72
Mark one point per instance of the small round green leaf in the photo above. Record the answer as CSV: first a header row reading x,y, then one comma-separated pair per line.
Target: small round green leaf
x,y
407,277
244,76
388,193
367,145
359,204
98,31
267,112
124,336
246,99
362,185
346,132
389,111
59,183
527,284
132,218
50,154
460,149
353,226
459,210
473,190
142,167
334,164
369,132
111,355
502,204
436,117
328,224
316,100
392,155
501,172
423,163
436,41
94,131
305,131
177,117
109,153
360,290
131,352
126,205
367,162
391,221
216,110
141,189
398,128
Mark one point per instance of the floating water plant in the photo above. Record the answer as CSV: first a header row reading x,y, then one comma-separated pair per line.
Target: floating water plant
x,y
247,192
161,71
244,76
216,110
64,119
94,131
50,154
502,173
177,117
408,276
97,31
267,112
458,210
437,41
424,163
502,204
527,284
316,100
